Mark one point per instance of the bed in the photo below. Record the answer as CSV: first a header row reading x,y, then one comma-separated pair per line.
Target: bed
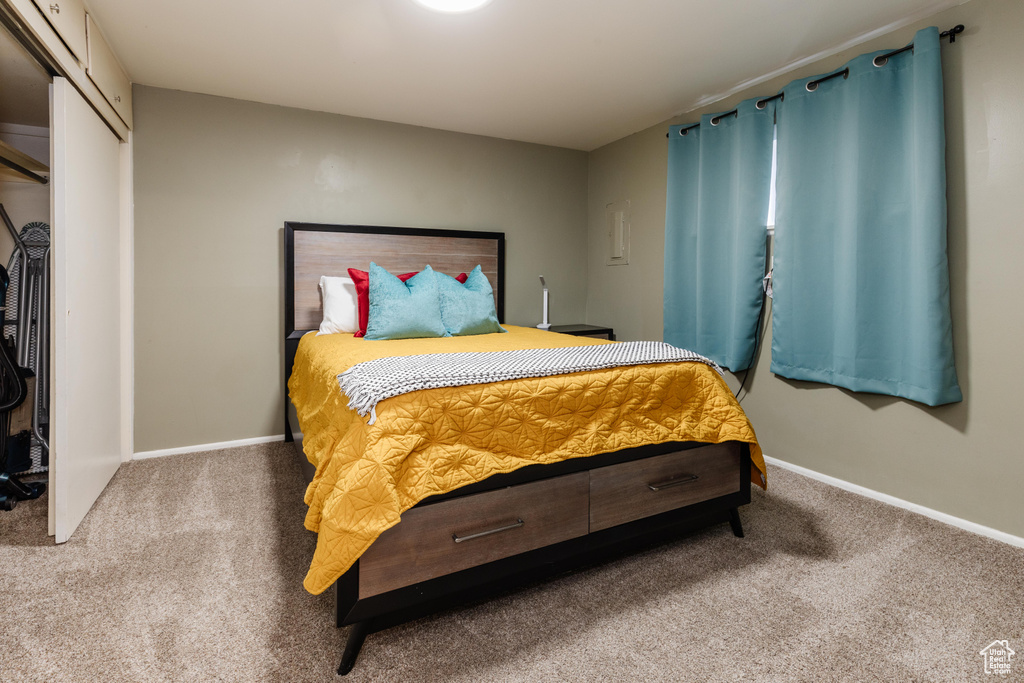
x,y
454,493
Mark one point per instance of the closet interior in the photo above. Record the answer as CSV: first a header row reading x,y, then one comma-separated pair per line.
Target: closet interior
x,y
25,210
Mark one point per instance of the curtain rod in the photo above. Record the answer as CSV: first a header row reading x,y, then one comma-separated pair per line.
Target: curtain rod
x,y
811,86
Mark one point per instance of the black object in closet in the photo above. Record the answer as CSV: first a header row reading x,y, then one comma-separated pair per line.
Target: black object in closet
x,y
13,391
28,316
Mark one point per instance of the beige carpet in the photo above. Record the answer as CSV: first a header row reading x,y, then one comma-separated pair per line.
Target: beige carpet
x,y
190,568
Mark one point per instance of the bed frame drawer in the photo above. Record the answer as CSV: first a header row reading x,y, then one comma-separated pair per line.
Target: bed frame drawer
x,y
457,534
641,488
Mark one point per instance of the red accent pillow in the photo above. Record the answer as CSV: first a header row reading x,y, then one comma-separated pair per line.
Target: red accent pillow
x,y
361,279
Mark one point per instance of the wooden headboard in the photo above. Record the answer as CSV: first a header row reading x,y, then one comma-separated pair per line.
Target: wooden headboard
x,y
313,250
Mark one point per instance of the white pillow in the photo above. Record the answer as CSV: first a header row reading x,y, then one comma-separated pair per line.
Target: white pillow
x,y
341,309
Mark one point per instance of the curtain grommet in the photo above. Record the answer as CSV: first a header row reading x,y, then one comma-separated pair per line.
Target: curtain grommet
x,y
761,104
880,60
714,121
684,131
811,86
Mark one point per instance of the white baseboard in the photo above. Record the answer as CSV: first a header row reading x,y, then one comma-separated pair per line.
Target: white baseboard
x,y
198,448
973,527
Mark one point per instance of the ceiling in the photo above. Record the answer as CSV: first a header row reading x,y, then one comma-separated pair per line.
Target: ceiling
x,y
570,73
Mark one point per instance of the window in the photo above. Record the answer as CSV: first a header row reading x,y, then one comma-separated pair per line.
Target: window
x,y
771,191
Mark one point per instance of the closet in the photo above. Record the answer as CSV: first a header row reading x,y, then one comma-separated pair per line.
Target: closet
x,y
65,161
24,252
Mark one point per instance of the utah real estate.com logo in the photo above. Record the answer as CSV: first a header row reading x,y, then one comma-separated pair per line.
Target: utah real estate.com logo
x,y
997,657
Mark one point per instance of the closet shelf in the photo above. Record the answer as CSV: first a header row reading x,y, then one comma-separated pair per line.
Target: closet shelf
x,y
19,167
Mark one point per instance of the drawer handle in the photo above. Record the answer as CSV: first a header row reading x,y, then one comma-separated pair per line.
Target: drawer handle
x,y
54,8
675,481
515,525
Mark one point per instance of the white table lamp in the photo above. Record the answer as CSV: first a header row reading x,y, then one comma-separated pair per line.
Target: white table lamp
x,y
545,324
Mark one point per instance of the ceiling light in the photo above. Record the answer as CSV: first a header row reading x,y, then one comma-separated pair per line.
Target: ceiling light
x,y
453,6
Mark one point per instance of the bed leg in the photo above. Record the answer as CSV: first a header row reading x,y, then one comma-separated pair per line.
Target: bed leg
x,y
355,643
735,523
288,436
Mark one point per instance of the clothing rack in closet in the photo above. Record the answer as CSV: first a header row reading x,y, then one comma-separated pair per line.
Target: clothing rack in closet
x,y
15,165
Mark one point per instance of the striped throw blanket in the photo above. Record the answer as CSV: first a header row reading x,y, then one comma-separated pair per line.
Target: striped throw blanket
x,y
366,384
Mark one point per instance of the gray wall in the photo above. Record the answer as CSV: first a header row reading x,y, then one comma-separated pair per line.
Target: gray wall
x,y
215,180
963,459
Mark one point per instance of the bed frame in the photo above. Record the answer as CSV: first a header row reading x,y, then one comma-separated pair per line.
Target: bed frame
x,y
580,511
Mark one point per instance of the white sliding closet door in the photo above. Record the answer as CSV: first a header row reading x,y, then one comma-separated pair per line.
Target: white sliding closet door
x,y
86,418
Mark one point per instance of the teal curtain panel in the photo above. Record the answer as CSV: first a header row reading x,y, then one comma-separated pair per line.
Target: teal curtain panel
x,y
719,177
680,297
861,281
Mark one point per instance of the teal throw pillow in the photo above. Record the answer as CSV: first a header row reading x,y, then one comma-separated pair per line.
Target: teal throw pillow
x,y
468,308
403,310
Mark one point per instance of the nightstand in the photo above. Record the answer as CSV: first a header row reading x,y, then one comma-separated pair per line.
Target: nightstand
x,y
584,331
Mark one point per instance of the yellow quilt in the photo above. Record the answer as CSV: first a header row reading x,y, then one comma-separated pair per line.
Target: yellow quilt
x,y
436,440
